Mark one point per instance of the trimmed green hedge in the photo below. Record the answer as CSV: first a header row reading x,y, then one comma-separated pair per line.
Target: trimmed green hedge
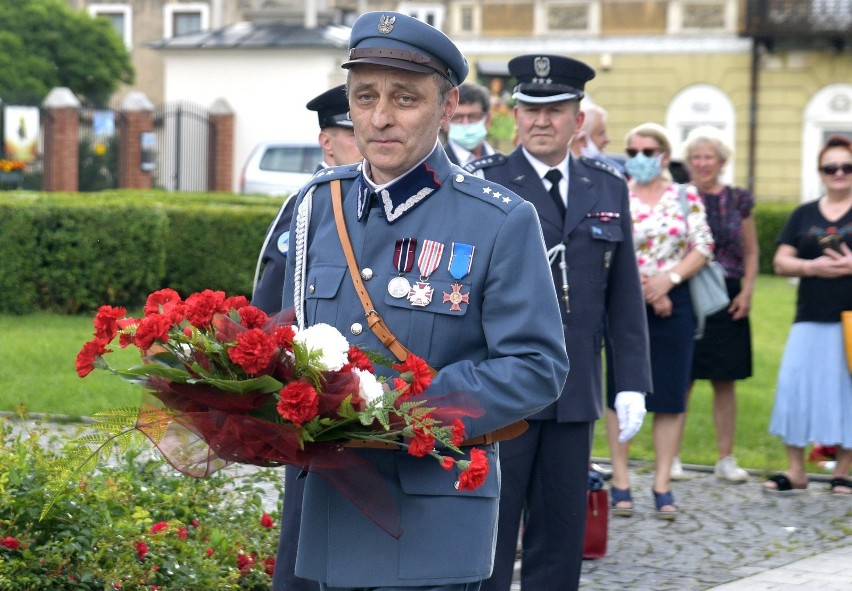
x,y
70,253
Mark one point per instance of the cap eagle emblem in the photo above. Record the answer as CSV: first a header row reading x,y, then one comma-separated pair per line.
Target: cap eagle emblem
x,y
386,24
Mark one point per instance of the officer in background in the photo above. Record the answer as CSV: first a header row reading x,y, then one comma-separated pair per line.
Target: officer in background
x,y
479,307
468,126
592,138
337,140
545,470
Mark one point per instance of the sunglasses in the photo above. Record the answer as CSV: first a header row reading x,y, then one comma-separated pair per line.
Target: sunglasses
x,y
646,151
831,169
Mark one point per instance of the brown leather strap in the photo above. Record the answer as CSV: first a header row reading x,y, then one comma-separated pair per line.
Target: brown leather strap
x,y
374,321
378,326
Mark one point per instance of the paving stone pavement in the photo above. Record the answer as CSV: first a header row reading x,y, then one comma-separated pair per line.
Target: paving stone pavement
x,y
726,533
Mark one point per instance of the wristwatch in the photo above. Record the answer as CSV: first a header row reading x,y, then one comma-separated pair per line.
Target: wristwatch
x,y
675,278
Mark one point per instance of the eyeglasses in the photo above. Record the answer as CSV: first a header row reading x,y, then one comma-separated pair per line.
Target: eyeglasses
x,y
832,169
646,151
467,118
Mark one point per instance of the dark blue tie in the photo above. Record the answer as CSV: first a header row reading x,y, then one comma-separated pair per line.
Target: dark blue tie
x,y
554,176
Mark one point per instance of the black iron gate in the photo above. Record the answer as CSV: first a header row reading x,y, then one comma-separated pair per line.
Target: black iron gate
x,y
182,132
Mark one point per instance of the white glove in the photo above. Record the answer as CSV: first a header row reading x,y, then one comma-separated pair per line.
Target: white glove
x,y
630,409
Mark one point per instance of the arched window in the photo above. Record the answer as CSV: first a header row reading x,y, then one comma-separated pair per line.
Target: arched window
x,y
696,105
828,112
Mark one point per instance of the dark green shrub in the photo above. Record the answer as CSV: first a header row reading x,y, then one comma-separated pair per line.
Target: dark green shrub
x,y
770,218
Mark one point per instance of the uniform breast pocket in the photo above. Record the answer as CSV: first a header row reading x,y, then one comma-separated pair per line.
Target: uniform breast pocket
x,y
322,283
606,238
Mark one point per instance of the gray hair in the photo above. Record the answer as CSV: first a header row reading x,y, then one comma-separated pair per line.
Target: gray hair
x,y
444,85
707,135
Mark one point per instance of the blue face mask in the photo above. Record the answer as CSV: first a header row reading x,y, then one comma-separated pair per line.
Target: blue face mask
x,y
468,135
644,169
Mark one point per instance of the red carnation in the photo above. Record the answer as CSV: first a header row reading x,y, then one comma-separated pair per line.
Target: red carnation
x,y
458,432
10,543
200,307
252,317
154,327
254,351
245,562
421,375
141,550
477,470
236,302
166,302
422,443
87,356
269,563
106,322
266,521
182,533
125,339
447,463
360,360
159,526
284,336
298,402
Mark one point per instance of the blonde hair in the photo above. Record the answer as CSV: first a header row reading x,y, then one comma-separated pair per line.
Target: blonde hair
x,y
651,130
709,136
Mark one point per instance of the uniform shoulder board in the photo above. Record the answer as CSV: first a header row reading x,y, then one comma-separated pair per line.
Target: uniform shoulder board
x,y
347,171
601,165
486,191
485,162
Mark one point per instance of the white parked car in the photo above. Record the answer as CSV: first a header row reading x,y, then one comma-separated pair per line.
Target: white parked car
x,y
279,168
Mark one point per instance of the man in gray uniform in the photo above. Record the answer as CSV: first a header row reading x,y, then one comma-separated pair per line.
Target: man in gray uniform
x,y
545,470
456,268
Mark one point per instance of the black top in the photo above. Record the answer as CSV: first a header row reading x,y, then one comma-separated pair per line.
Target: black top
x,y
819,300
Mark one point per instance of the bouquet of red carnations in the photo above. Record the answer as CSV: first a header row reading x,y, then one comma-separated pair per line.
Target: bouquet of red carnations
x,y
227,383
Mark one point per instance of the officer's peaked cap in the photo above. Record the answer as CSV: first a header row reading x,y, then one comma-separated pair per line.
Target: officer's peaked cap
x,y
400,41
549,78
332,108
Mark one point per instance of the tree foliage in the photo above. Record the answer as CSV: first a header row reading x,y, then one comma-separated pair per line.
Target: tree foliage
x,y
46,44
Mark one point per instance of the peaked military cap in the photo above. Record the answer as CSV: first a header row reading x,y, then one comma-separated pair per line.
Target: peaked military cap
x,y
549,78
400,41
332,108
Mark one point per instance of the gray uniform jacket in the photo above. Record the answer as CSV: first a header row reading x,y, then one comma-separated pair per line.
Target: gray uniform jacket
x,y
603,278
501,346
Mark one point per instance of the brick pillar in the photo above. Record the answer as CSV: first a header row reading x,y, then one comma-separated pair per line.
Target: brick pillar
x,y
61,141
137,118
220,153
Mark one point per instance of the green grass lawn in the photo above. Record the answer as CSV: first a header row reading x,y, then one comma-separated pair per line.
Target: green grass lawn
x,y
38,353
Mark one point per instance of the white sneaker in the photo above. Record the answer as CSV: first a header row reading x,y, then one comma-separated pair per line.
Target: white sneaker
x,y
727,469
677,472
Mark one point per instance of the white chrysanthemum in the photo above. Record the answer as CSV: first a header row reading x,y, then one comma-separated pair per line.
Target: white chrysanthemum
x,y
329,340
369,388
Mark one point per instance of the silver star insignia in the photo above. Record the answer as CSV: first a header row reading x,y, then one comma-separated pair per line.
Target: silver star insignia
x,y
497,195
506,200
486,190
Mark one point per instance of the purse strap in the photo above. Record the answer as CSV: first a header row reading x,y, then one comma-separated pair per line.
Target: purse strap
x,y
378,326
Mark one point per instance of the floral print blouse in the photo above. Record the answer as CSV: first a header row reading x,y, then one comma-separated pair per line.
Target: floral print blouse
x,y
661,235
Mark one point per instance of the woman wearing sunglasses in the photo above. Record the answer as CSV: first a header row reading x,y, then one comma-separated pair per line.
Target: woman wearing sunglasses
x,y
670,248
814,390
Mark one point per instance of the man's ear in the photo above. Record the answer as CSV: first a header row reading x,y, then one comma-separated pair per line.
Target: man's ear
x,y
450,106
324,140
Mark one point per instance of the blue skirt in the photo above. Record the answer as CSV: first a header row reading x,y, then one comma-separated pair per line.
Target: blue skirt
x,y
813,399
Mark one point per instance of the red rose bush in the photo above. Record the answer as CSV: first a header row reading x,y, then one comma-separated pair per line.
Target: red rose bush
x,y
226,383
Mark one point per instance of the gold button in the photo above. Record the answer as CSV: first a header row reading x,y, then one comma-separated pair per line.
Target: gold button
x,y
356,328
366,273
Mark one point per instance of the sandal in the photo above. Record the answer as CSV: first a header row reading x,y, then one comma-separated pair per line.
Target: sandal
x,y
621,495
841,483
783,485
665,499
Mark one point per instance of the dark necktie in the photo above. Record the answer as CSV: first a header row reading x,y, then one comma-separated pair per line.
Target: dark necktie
x,y
554,176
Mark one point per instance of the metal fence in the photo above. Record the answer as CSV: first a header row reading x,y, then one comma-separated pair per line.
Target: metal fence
x,y
182,131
